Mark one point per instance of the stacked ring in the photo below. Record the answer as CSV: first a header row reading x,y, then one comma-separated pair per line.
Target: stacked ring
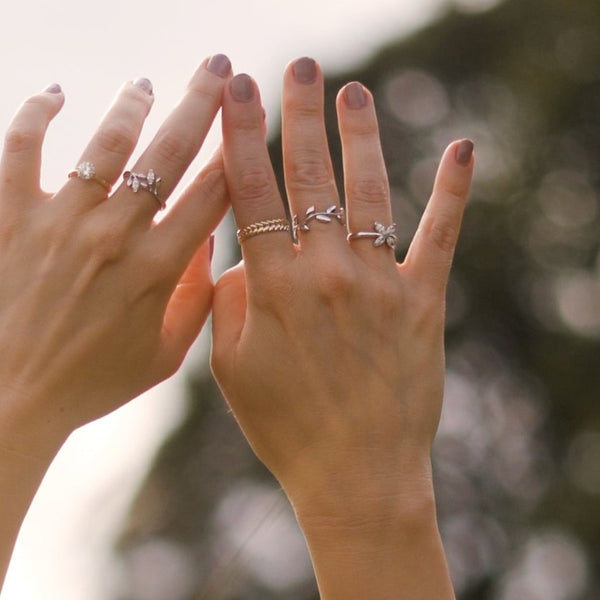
x,y
259,227
87,170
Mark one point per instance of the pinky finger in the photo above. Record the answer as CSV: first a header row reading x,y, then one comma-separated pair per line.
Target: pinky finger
x,y
22,156
430,254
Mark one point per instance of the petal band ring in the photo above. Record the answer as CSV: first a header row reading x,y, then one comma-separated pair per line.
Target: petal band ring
x,y
268,226
145,181
87,171
381,235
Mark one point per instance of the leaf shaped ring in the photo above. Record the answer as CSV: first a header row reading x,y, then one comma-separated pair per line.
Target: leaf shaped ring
x,y
330,214
145,181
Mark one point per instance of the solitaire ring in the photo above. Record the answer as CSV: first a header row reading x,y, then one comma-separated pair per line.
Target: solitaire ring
x,y
381,235
259,227
145,181
87,170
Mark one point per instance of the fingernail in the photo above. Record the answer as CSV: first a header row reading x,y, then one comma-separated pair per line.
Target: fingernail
x,y
355,96
211,246
305,70
219,64
144,85
242,88
464,150
53,88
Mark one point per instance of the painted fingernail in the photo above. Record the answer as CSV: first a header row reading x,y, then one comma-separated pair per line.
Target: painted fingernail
x,y
144,84
219,64
464,150
53,88
355,96
211,246
305,70
242,88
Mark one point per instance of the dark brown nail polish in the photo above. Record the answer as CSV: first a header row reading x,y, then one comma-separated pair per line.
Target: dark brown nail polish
x,y
242,88
464,151
355,96
144,84
53,88
219,64
305,70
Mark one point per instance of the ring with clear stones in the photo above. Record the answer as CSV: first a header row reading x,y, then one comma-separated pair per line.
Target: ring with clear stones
x,y
145,181
87,171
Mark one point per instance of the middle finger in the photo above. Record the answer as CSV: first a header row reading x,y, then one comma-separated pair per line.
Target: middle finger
x,y
309,177
176,143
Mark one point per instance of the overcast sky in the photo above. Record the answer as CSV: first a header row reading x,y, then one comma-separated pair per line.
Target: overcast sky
x,y
90,48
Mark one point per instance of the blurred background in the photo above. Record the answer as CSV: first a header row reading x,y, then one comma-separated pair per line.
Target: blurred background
x,y
164,499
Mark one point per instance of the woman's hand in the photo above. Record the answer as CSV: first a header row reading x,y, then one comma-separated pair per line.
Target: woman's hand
x,y
97,301
328,351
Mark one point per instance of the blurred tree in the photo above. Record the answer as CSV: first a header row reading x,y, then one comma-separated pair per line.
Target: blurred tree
x,y
518,452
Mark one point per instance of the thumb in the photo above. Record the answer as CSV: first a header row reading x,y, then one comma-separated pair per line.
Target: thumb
x,y
187,309
229,315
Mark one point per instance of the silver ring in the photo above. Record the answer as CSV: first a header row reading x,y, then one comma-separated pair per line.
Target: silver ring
x,y
87,170
380,235
259,227
148,181
331,213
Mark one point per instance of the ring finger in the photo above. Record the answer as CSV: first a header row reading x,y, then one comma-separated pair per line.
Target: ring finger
x,y
370,227
104,158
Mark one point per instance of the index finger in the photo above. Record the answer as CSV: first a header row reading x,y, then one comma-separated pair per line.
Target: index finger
x,y
258,208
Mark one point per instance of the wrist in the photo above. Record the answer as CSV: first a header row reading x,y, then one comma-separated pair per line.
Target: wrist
x,y
28,432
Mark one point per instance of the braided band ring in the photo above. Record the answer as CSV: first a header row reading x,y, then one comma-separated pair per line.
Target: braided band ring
x,y
259,227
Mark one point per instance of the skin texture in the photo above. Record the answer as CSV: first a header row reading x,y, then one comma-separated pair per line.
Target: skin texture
x,y
330,353
98,302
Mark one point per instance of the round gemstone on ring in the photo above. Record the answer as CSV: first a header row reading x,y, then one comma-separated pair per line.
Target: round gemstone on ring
x,y
86,170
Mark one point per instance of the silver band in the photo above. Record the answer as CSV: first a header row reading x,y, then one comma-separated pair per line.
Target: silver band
x,y
87,170
148,181
330,214
259,227
380,235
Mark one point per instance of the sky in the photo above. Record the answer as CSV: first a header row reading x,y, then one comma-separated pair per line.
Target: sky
x,y
90,48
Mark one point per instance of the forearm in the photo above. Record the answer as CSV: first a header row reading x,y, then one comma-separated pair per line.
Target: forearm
x,y
379,555
22,468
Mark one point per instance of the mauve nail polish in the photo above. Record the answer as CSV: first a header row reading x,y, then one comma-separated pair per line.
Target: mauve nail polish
x,y
219,64
144,85
242,88
355,96
464,150
305,70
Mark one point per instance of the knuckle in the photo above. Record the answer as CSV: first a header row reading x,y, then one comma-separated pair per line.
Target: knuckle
x,y
369,191
334,281
106,243
255,183
442,230
309,170
116,138
20,139
174,148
